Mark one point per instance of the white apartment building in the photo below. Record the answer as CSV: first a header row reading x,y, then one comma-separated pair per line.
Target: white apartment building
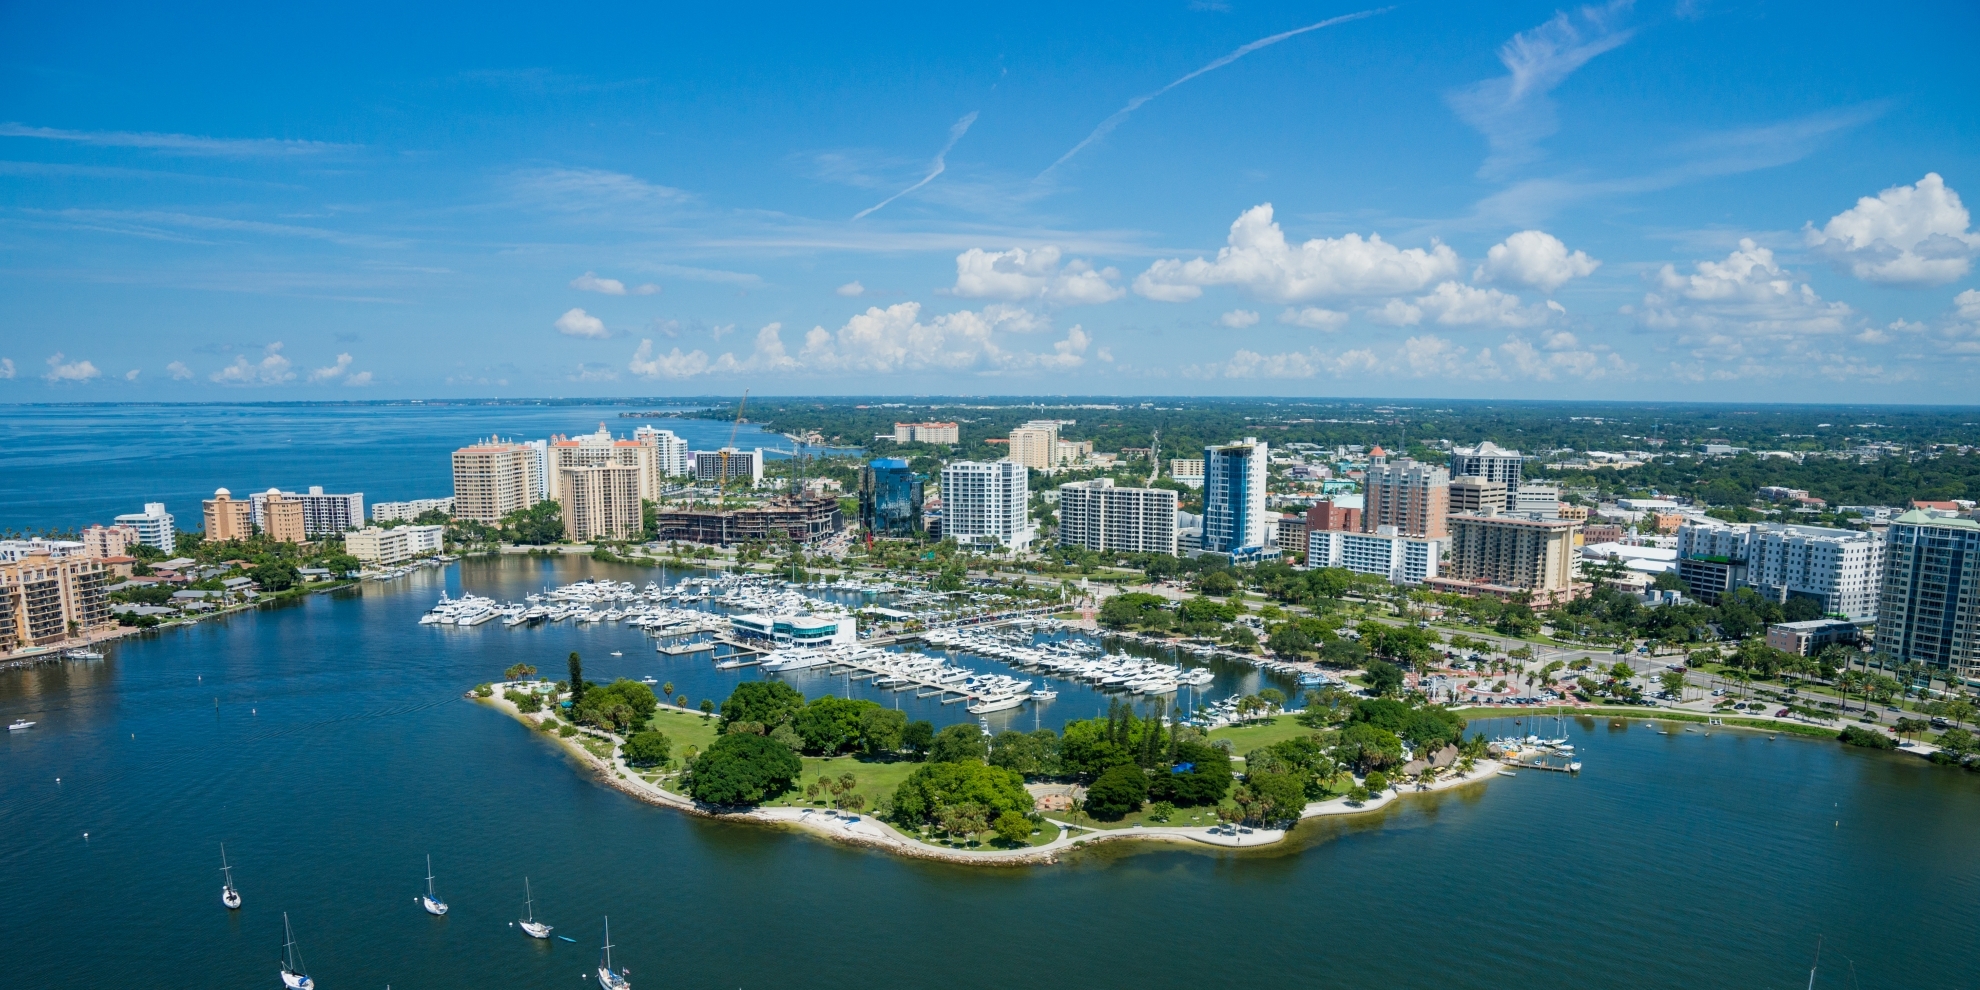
x,y
1927,613
927,433
1098,516
15,550
1386,553
154,526
374,545
669,451
709,465
987,503
1234,516
323,514
1842,568
1488,460
410,509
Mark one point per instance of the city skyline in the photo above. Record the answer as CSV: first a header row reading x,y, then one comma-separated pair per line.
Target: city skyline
x,y
1520,201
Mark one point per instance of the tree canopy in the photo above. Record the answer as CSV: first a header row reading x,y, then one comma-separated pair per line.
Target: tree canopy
x,y
743,768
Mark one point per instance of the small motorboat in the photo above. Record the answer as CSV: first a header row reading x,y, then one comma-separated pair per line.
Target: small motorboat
x,y
618,653
431,901
19,724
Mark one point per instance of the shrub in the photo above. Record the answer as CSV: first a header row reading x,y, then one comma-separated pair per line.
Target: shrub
x,y
1378,782
1117,792
483,690
1359,795
525,701
1868,738
1013,828
1161,811
566,730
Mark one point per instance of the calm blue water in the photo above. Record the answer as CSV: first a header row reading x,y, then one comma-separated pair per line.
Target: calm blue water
x,y
72,465
327,744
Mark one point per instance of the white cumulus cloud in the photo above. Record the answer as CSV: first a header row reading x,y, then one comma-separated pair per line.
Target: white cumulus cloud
x,y
1747,293
272,369
1535,259
358,380
1968,304
1313,318
179,371
589,282
1907,235
1238,319
768,355
333,372
896,339
1257,258
1455,304
6,368
1019,275
851,289
60,370
131,375
578,323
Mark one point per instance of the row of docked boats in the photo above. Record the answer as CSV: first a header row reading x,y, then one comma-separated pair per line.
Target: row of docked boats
x,y
1074,660
905,671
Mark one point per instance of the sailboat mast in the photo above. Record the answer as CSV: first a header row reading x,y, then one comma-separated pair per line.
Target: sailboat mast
x,y
429,875
608,944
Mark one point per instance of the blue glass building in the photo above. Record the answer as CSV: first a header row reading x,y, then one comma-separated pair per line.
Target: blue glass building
x,y
890,497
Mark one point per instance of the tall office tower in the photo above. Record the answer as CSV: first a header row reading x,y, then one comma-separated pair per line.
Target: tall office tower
x,y
987,503
669,451
1931,577
154,526
494,478
1036,444
1472,493
1488,460
1413,497
601,501
1098,516
1234,497
889,497
227,519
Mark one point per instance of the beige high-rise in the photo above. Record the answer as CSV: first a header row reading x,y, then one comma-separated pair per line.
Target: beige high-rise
x,y
597,449
493,479
46,600
1413,497
1036,444
227,519
1511,552
1472,493
282,518
600,502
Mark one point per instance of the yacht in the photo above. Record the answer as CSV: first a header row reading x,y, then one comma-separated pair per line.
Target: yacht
x,y
432,902
19,724
996,703
608,979
83,653
530,926
294,976
228,895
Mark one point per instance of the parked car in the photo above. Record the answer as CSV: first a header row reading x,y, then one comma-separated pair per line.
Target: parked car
x,y
1781,714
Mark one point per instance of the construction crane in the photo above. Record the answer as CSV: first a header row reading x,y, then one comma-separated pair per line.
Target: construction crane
x,y
723,501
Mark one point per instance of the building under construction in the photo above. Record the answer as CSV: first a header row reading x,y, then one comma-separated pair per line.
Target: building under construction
x,y
800,518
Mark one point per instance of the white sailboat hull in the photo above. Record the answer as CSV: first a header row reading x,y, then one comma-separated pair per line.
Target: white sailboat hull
x,y
534,929
432,906
297,981
608,980
230,897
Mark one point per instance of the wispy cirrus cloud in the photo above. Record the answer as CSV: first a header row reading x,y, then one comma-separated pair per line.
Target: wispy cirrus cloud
x,y
936,167
182,144
1513,111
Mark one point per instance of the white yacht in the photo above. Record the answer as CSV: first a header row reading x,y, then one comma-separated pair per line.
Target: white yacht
x,y
996,703
431,901
294,976
19,724
530,926
608,979
228,895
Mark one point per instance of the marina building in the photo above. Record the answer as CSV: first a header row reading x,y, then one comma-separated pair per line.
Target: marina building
x,y
1413,497
494,478
890,497
1099,516
410,509
1842,569
987,504
1234,516
1388,554
927,433
799,630
601,501
227,519
154,526
1931,577
1488,461
375,545
800,518
1510,553
728,465
45,600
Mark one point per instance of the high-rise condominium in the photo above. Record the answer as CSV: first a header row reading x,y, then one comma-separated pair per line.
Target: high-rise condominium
x,y
1931,576
987,503
1234,497
1098,516
1488,460
494,478
1413,497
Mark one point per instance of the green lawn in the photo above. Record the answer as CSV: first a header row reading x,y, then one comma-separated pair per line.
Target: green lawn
x,y
1245,738
873,779
684,730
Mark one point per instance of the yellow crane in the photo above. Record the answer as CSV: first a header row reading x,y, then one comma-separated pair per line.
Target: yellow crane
x,y
723,480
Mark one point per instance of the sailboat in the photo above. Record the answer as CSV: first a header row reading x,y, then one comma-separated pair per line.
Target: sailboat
x,y
530,926
607,979
294,977
228,895
432,902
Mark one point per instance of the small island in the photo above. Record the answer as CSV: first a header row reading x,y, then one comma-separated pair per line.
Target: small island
x,y
855,771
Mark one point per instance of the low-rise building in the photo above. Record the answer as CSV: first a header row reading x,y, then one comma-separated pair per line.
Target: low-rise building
x,y
927,433
410,509
1398,557
796,629
1808,638
1187,470
801,518
375,545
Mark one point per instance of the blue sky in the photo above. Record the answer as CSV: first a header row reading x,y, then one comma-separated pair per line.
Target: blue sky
x,y
1695,200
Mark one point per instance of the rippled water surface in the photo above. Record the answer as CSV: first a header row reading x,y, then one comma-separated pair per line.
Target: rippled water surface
x,y
326,743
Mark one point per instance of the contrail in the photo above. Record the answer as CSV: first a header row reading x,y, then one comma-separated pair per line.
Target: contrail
x,y
956,131
1106,126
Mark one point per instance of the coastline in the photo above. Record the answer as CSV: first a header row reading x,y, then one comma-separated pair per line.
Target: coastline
x,y
19,660
870,832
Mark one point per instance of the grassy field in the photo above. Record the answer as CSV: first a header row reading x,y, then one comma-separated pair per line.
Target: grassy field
x,y
1245,738
684,729
872,779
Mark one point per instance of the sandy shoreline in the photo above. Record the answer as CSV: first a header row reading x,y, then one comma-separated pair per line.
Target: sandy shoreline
x,y
866,830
